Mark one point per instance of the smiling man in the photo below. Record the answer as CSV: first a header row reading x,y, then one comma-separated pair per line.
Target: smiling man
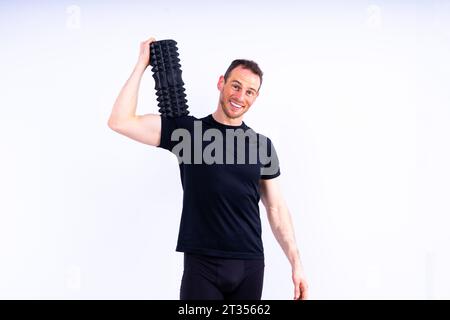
x,y
220,229
239,88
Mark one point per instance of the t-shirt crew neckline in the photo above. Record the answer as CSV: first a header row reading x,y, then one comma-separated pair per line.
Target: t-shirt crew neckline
x,y
226,126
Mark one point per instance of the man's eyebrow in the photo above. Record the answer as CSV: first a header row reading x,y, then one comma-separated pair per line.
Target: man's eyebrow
x,y
241,84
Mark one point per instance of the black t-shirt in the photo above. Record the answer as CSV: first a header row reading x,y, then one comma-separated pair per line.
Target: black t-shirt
x,y
220,167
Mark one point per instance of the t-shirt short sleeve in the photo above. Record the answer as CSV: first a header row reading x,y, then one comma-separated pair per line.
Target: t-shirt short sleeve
x,y
270,164
169,125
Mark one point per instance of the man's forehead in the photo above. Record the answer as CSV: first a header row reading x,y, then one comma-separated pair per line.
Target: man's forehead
x,y
245,77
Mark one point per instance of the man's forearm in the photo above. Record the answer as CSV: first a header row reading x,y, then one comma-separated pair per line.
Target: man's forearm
x,y
125,105
283,230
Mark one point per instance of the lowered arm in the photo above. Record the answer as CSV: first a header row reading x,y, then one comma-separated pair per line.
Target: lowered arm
x,y
281,224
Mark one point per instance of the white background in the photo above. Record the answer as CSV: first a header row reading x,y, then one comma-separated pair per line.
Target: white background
x,y
355,98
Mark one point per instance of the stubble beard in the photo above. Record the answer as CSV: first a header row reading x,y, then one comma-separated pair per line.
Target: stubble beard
x,y
227,112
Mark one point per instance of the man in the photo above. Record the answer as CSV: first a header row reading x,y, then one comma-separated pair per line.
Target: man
x,y
220,229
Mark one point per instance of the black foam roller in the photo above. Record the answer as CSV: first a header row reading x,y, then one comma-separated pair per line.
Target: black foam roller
x,y
169,84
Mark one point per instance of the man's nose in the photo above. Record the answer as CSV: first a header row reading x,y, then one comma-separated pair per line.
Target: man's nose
x,y
240,96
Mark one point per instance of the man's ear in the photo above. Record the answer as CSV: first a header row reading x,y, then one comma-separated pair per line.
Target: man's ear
x,y
221,83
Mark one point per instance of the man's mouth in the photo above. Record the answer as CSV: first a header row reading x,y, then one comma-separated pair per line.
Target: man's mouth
x,y
235,105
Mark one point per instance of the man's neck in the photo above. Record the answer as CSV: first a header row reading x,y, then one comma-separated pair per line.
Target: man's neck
x,y
223,119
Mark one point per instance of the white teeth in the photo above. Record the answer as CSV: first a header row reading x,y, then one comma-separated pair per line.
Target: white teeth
x,y
235,105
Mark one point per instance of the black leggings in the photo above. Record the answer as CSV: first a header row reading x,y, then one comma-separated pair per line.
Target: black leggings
x,y
212,278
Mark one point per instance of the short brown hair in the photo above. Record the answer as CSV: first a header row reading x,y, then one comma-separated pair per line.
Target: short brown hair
x,y
246,64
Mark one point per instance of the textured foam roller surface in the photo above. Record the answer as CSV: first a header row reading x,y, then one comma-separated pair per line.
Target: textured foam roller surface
x,y
169,84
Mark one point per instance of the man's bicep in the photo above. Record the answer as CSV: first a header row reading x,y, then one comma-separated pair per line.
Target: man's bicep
x,y
143,128
270,192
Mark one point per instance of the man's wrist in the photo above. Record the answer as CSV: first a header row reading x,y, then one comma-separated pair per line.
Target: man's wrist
x,y
139,68
295,260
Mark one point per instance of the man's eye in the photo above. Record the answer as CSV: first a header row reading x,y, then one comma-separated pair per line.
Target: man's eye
x,y
235,87
250,93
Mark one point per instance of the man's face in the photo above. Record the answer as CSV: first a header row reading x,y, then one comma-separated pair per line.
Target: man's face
x,y
239,92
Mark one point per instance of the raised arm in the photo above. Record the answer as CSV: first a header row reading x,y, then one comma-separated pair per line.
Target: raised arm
x,y
283,230
123,119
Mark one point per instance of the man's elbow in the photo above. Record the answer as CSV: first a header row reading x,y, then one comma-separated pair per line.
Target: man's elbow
x,y
111,124
277,209
115,124
273,210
